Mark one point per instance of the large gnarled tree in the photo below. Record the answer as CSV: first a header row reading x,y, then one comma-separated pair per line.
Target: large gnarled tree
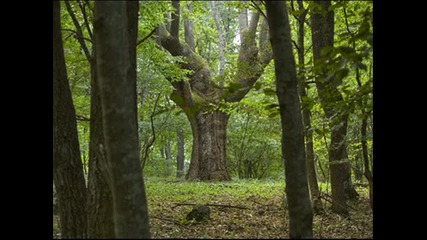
x,y
201,97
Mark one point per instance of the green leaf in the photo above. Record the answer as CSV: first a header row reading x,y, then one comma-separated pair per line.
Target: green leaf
x,y
273,114
269,92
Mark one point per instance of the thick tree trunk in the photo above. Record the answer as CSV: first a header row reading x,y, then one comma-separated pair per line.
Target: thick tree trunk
x,y
117,82
67,164
300,212
181,154
209,159
100,200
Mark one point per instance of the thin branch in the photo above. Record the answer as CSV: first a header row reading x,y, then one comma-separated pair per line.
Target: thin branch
x,y
83,9
80,35
211,205
76,34
150,142
146,37
295,45
258,8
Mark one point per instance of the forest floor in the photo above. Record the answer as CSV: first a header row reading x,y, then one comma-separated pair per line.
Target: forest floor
x,y
251,209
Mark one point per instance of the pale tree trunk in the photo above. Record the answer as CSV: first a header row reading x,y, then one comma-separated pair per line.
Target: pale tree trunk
x,y
181,153
300,212
306,113
117,81
221,39
340,171
168,158
198,96
67,164
189,30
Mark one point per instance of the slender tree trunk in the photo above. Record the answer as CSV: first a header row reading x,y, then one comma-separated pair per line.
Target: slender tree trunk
x,y
67,164
209,147
181,154
300,211
168,165
368,173
117,82
323,37
306,113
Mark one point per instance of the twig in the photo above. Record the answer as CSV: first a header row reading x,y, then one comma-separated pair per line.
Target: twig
x,y
168,220
146,37
211,205
326,196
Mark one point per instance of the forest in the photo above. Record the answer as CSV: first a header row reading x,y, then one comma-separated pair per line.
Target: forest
x,y
212,119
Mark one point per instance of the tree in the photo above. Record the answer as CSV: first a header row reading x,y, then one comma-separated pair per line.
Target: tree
x,y
300,212
322,25
100,201
67,164
203,98
308,131
116,69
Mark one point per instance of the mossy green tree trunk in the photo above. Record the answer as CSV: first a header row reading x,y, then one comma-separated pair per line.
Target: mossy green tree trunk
x,y
300,212
202,96
67,164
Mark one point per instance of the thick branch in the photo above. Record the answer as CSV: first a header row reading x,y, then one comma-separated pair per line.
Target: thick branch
x,y
189,31
175,19
80,36
250,64
221,37
243,22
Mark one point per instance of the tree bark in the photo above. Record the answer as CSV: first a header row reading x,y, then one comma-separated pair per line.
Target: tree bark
x,y
181,154
323,37
100,199
117,83
306,113
209,159
67,164
300,212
